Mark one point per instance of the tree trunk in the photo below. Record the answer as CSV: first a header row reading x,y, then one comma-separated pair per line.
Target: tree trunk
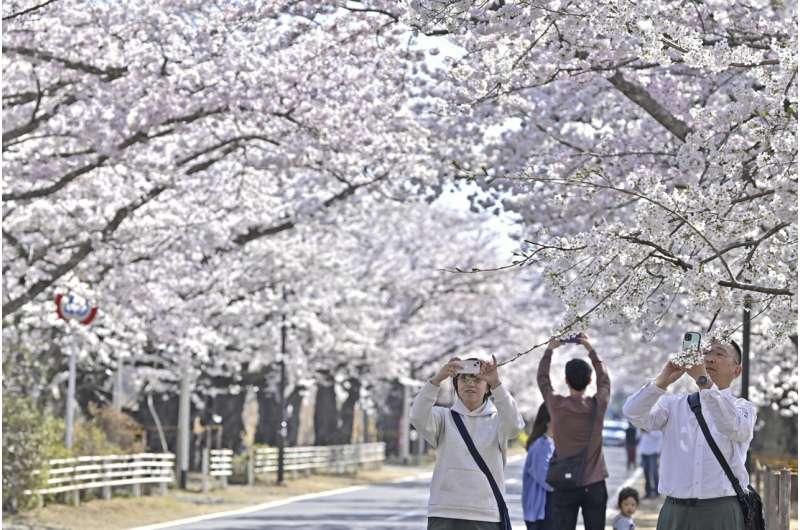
x,y
167,410
230,407
346,411
389,418
269,409
326,417
294,407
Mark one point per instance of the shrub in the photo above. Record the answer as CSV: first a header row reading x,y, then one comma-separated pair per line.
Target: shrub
x,y
122,431
29,439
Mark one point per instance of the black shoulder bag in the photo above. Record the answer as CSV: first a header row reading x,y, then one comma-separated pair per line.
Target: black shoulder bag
x,y
505,520
750,501
567,472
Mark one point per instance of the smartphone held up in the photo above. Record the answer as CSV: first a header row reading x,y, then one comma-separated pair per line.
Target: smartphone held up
x,y
470,366
691,353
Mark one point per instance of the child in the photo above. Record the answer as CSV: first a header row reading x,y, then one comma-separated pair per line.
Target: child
x,y
628,502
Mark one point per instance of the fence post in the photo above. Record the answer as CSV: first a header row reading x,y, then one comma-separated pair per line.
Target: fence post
x,y
251,466
107,476
770,499
784,498
205,469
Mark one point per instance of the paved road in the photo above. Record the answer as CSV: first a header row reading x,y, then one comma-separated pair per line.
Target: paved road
x,y
388,506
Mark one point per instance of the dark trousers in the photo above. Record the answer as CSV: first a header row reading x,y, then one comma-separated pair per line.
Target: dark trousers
x,y
650,468
590,499
444,523
630,450
723,513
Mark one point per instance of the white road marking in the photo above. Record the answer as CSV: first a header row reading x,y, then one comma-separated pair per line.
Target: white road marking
x,y
249,509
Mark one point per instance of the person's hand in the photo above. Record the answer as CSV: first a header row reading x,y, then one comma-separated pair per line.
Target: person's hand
x,y
553,344
489,373
669,374
696,371
448,370
583,339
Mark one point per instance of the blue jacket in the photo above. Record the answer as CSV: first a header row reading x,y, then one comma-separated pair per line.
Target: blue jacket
x,y
534,478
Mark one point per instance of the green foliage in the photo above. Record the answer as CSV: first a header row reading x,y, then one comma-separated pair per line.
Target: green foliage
x,y
29,439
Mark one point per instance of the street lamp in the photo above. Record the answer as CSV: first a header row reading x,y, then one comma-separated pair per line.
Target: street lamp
x,y
281,395
746,347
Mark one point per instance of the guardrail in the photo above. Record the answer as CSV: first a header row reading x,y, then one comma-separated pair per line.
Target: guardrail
x,y
776,481
332,458
73,475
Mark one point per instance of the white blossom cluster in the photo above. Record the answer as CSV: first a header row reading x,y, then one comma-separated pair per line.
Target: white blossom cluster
x,y
202,169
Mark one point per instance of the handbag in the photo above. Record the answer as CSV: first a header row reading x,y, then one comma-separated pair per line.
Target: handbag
x,y
749,500
567,472
505,520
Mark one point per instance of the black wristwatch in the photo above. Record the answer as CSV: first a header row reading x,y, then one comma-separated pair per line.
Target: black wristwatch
x,y
703,382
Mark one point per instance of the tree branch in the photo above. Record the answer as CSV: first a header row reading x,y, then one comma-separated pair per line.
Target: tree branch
x,y
641,97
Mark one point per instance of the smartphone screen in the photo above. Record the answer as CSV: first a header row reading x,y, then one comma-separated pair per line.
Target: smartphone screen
x,y
691,340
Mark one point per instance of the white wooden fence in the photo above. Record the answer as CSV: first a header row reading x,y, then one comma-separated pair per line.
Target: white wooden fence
x,y
331,458
217,464
73,475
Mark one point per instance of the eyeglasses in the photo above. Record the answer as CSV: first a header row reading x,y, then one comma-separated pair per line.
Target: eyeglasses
x,y
469,378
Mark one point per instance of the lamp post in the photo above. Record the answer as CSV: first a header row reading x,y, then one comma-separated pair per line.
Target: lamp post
x,y
184,421
746,347
281,395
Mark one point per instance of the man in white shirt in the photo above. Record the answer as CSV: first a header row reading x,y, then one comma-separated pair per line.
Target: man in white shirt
x,y
650,449
699,495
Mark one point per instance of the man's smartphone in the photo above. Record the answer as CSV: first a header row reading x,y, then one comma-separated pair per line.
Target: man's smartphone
x,y
574,339
470,366
691,341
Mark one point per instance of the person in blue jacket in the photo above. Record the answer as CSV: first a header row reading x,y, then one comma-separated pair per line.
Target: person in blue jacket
x,y
536,492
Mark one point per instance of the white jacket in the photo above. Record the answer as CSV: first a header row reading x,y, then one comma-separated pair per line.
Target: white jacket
x,y
459,490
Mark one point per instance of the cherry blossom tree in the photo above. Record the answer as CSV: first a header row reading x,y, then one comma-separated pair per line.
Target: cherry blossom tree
x,y
650,149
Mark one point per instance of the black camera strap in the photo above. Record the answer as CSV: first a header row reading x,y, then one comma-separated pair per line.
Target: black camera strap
x,y
505,520
694,404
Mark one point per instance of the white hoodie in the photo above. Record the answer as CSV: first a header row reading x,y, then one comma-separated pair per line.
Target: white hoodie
x,y
459,489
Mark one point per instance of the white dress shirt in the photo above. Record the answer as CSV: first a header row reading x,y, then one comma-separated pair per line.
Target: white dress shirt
x,y
650,443
688,468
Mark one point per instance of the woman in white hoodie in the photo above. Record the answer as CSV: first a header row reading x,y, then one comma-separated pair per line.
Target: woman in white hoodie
x,y
461,497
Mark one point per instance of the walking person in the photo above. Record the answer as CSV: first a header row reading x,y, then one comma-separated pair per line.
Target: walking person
x,y
700,496
650,449
631,440
577,432
467,486
536,492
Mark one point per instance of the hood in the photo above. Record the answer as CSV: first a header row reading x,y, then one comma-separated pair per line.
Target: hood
x,y
487,409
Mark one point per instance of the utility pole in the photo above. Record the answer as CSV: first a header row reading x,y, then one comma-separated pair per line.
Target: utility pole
x,y
281,395
746,347
73,354
116,400
184,427
403,432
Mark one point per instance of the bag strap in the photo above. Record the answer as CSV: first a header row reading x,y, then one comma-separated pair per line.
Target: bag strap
x,y
694,404
505,520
